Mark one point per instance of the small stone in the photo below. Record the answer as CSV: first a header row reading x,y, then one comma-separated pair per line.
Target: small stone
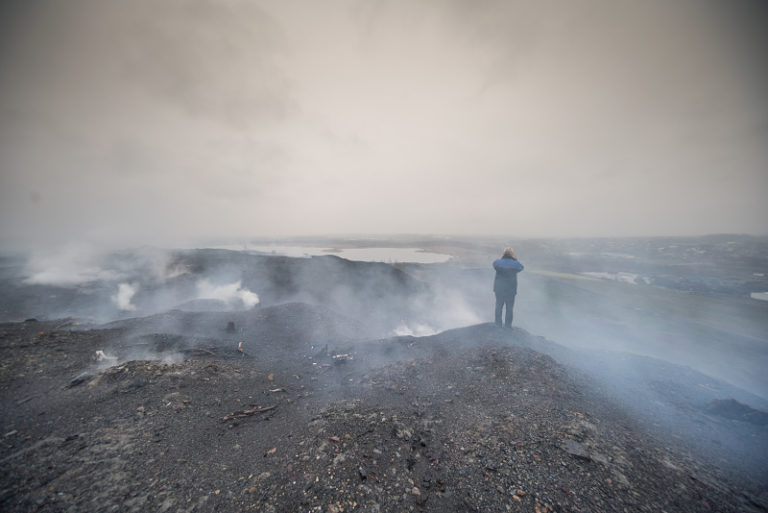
x,y
575,449
79,379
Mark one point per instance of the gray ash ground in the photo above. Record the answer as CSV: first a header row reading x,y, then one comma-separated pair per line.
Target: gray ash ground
x,y
309,418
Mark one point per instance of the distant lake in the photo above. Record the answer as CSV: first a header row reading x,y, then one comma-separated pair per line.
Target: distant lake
x,y
388,255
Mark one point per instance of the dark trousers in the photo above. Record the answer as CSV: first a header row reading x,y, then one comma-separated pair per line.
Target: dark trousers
x,y
501,300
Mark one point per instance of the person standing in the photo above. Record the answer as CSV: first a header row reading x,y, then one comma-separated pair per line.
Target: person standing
x,y
505,285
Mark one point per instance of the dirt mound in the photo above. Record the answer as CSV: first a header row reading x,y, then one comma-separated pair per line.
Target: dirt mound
x,y
470,420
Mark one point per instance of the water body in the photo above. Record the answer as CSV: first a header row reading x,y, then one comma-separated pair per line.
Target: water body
x,y
388,255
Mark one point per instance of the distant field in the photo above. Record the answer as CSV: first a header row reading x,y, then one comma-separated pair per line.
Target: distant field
x,y
743,317
726,338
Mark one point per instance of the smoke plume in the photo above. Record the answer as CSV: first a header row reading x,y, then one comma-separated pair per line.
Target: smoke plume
x,y
125,293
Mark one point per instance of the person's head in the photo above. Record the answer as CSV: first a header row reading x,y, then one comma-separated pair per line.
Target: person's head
x,y
509,253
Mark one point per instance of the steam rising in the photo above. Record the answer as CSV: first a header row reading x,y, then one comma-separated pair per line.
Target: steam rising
x,y
106,360
253,118
70,264
125,293
415,330
79,263
602,300
608,311
233,294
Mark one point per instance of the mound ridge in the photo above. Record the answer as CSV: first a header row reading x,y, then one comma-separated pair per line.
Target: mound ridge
x,y
475,419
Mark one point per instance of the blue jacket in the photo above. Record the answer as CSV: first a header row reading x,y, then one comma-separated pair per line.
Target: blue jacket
x,y
505,282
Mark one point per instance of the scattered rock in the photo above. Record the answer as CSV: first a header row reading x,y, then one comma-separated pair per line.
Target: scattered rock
x,y
575,449
374,434
81,378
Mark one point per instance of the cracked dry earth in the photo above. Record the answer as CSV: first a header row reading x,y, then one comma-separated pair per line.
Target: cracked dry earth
x,y
468,420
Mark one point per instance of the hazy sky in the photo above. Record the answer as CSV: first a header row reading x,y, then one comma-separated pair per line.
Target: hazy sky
x,y
159,120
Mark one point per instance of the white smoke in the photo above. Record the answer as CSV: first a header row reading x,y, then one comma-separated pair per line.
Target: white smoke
x,y
125,293
414,330
72,264
77,264
159,262
232,293
104,360
176,270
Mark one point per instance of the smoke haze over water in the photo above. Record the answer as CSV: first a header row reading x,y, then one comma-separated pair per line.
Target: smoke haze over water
x,y
234,118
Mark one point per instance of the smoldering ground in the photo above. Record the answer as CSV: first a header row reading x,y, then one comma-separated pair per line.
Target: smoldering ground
x,y
470,418
100,286
187,304
702,331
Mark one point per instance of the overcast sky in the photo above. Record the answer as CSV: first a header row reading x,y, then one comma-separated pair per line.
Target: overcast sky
x,y
159,121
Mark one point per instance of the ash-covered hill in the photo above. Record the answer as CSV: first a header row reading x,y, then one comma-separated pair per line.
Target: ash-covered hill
x,y
139,284
280,278
476,419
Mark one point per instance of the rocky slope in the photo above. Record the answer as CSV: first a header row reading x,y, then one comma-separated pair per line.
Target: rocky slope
x,y
305,417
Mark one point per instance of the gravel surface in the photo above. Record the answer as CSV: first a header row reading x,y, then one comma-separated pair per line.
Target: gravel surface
x,y
305,417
